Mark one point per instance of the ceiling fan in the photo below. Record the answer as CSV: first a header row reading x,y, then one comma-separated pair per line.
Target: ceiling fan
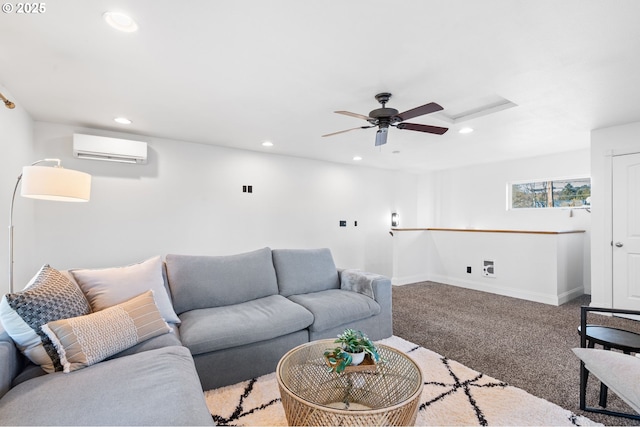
x,y
385,117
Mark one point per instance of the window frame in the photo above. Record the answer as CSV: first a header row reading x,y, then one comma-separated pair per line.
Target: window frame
x,y
510,184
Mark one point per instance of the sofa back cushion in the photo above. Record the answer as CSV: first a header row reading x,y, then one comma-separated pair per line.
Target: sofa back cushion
x,y
301,271
215,281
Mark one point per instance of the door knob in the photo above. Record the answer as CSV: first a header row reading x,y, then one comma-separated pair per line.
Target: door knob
x,y
619,244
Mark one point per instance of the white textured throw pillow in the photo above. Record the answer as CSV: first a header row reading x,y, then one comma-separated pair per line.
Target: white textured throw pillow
x,y
85,340
107,287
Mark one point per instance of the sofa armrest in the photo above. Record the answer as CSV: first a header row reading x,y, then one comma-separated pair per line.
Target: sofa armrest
x,y
11,361
382,289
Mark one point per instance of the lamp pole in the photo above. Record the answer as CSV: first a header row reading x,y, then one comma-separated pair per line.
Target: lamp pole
x,y
11,235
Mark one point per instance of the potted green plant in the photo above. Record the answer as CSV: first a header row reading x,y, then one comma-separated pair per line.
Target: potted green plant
x,y
337,359
354,346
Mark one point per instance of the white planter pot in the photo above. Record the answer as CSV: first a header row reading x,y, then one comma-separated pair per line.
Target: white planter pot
x,y
357,358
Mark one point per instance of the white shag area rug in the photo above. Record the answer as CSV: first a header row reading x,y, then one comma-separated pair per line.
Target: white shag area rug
x,y
453,395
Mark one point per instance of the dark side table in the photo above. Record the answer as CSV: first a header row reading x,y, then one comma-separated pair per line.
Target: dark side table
x,y
608,338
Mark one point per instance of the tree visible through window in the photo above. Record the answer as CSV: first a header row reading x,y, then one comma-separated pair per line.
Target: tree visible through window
x,y
561,193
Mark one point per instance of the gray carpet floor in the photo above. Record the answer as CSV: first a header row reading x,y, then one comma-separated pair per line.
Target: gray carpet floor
x,y
524,343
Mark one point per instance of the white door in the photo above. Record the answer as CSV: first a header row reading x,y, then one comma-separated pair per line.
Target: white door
x,y
626,232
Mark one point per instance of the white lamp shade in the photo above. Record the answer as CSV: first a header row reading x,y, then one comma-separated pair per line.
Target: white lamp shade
x,y
55,183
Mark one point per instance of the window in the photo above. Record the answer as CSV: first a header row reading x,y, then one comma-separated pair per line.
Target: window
x,y
557,193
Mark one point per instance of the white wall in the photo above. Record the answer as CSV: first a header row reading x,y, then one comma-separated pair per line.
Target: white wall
x,y
605,143
475,197
16,143
188,199
536,267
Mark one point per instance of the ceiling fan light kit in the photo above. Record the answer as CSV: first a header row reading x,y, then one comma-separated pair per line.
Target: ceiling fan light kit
x,y
384,117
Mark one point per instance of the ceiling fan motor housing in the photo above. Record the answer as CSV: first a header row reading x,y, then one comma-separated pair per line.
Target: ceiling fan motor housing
x,y
384,116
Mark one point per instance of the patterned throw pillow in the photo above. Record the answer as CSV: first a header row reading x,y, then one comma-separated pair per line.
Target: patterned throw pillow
x,y
49,296
85,340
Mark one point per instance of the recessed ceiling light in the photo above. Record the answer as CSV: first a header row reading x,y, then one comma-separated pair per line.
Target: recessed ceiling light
x,y
357,158
122,120
465,130
267,144
120,21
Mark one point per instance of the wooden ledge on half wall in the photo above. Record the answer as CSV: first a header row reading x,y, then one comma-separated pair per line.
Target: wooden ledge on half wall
x,y
478,230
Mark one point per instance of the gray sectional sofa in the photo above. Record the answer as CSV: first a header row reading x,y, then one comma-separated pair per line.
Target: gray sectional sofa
x,y
237,316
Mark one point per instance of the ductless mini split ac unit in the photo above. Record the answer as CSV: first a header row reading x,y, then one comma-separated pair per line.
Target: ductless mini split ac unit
x,y
109,149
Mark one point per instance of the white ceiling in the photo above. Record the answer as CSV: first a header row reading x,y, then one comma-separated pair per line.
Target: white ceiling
x,y
237,73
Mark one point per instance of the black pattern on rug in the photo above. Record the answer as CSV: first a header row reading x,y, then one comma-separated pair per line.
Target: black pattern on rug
x,y
240,411
413,349
465,386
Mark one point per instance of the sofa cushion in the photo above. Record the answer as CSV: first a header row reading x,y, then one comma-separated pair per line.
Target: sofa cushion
x,y
336,307
106,287
214,281
301,271
85,340
619,371
166,340
49,296
157,387
212,329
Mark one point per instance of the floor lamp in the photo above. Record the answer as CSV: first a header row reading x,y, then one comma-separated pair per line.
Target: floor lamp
x,y
48,183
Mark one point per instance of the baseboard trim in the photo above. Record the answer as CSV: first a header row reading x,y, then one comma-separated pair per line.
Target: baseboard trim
x,y
407,280
571,294
509,292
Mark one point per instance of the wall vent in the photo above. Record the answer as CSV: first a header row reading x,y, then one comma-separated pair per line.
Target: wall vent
x,y
488,268
109,149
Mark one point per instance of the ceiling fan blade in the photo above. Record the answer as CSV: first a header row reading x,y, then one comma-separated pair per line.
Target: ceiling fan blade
x,y
356,115
381,136
422,128
347,130
431,107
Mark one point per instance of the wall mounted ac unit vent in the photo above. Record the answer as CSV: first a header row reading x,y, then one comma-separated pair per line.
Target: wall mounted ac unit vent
x,y
109,149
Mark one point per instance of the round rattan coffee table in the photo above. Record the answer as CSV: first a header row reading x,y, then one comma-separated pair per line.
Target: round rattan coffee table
x,y
382,394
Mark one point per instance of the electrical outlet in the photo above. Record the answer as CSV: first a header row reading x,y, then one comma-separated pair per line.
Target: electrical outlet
x,y
469,269
343,223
